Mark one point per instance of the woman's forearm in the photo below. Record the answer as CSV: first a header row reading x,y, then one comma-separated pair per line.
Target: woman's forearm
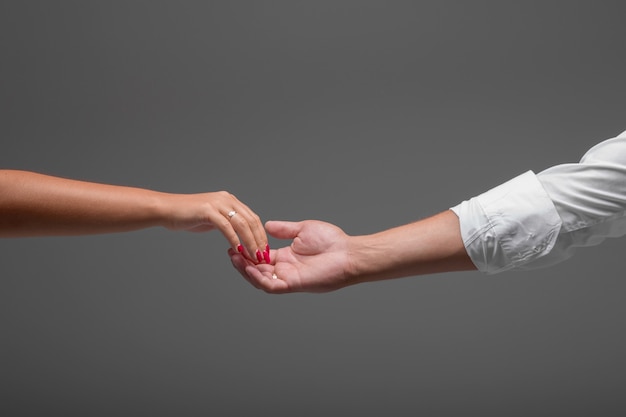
x,y
36,204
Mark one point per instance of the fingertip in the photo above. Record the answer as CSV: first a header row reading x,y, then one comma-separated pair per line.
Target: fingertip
x,y
235,258
282,229
272,224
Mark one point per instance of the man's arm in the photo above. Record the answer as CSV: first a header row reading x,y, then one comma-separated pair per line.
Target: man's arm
x,y
323,258
530,221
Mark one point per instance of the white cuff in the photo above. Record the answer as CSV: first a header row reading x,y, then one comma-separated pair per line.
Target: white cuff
x,y
509,225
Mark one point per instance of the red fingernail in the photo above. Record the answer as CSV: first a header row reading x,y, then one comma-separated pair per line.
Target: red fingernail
x,y
267,247
258,256
266,256
239,248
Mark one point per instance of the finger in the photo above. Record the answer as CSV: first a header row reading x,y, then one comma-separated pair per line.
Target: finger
x,y
283,229
225,227
255,224
272,253
240,264
248,227
238,261
240,221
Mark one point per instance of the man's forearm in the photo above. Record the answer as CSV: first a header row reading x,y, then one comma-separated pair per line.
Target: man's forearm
x,y
427,246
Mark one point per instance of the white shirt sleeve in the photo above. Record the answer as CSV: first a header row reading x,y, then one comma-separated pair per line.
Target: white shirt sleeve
x,y
537,220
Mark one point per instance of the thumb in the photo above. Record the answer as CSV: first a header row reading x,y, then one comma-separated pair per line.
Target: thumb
x,y
283,229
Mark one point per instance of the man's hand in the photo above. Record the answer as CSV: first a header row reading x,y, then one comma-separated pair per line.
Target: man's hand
x,y
316,261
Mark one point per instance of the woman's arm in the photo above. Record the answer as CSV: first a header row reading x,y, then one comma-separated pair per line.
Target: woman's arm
x,y
33,204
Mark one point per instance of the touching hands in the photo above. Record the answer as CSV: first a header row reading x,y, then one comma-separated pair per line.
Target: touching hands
x,y
316,261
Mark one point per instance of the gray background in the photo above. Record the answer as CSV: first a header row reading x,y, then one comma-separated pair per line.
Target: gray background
x,y
365,114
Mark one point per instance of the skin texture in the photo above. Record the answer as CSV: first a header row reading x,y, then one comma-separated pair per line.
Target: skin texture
x,y
323,258
33,204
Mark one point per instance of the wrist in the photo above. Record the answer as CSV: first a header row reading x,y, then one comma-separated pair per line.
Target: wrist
x,y
164,209
367,259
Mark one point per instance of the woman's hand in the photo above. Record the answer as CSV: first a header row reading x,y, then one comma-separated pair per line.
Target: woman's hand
x,y
223,211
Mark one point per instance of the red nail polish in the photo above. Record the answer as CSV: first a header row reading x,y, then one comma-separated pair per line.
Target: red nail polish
x,y
267,247
239,248
266,256
258,256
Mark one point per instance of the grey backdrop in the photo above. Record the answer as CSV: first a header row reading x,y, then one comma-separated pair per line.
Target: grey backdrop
x,y
365,114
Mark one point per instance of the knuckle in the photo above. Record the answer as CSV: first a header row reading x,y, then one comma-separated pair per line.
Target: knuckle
x,y
224,194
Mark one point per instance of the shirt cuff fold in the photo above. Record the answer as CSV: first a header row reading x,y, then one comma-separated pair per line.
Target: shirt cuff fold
x,y
509,225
